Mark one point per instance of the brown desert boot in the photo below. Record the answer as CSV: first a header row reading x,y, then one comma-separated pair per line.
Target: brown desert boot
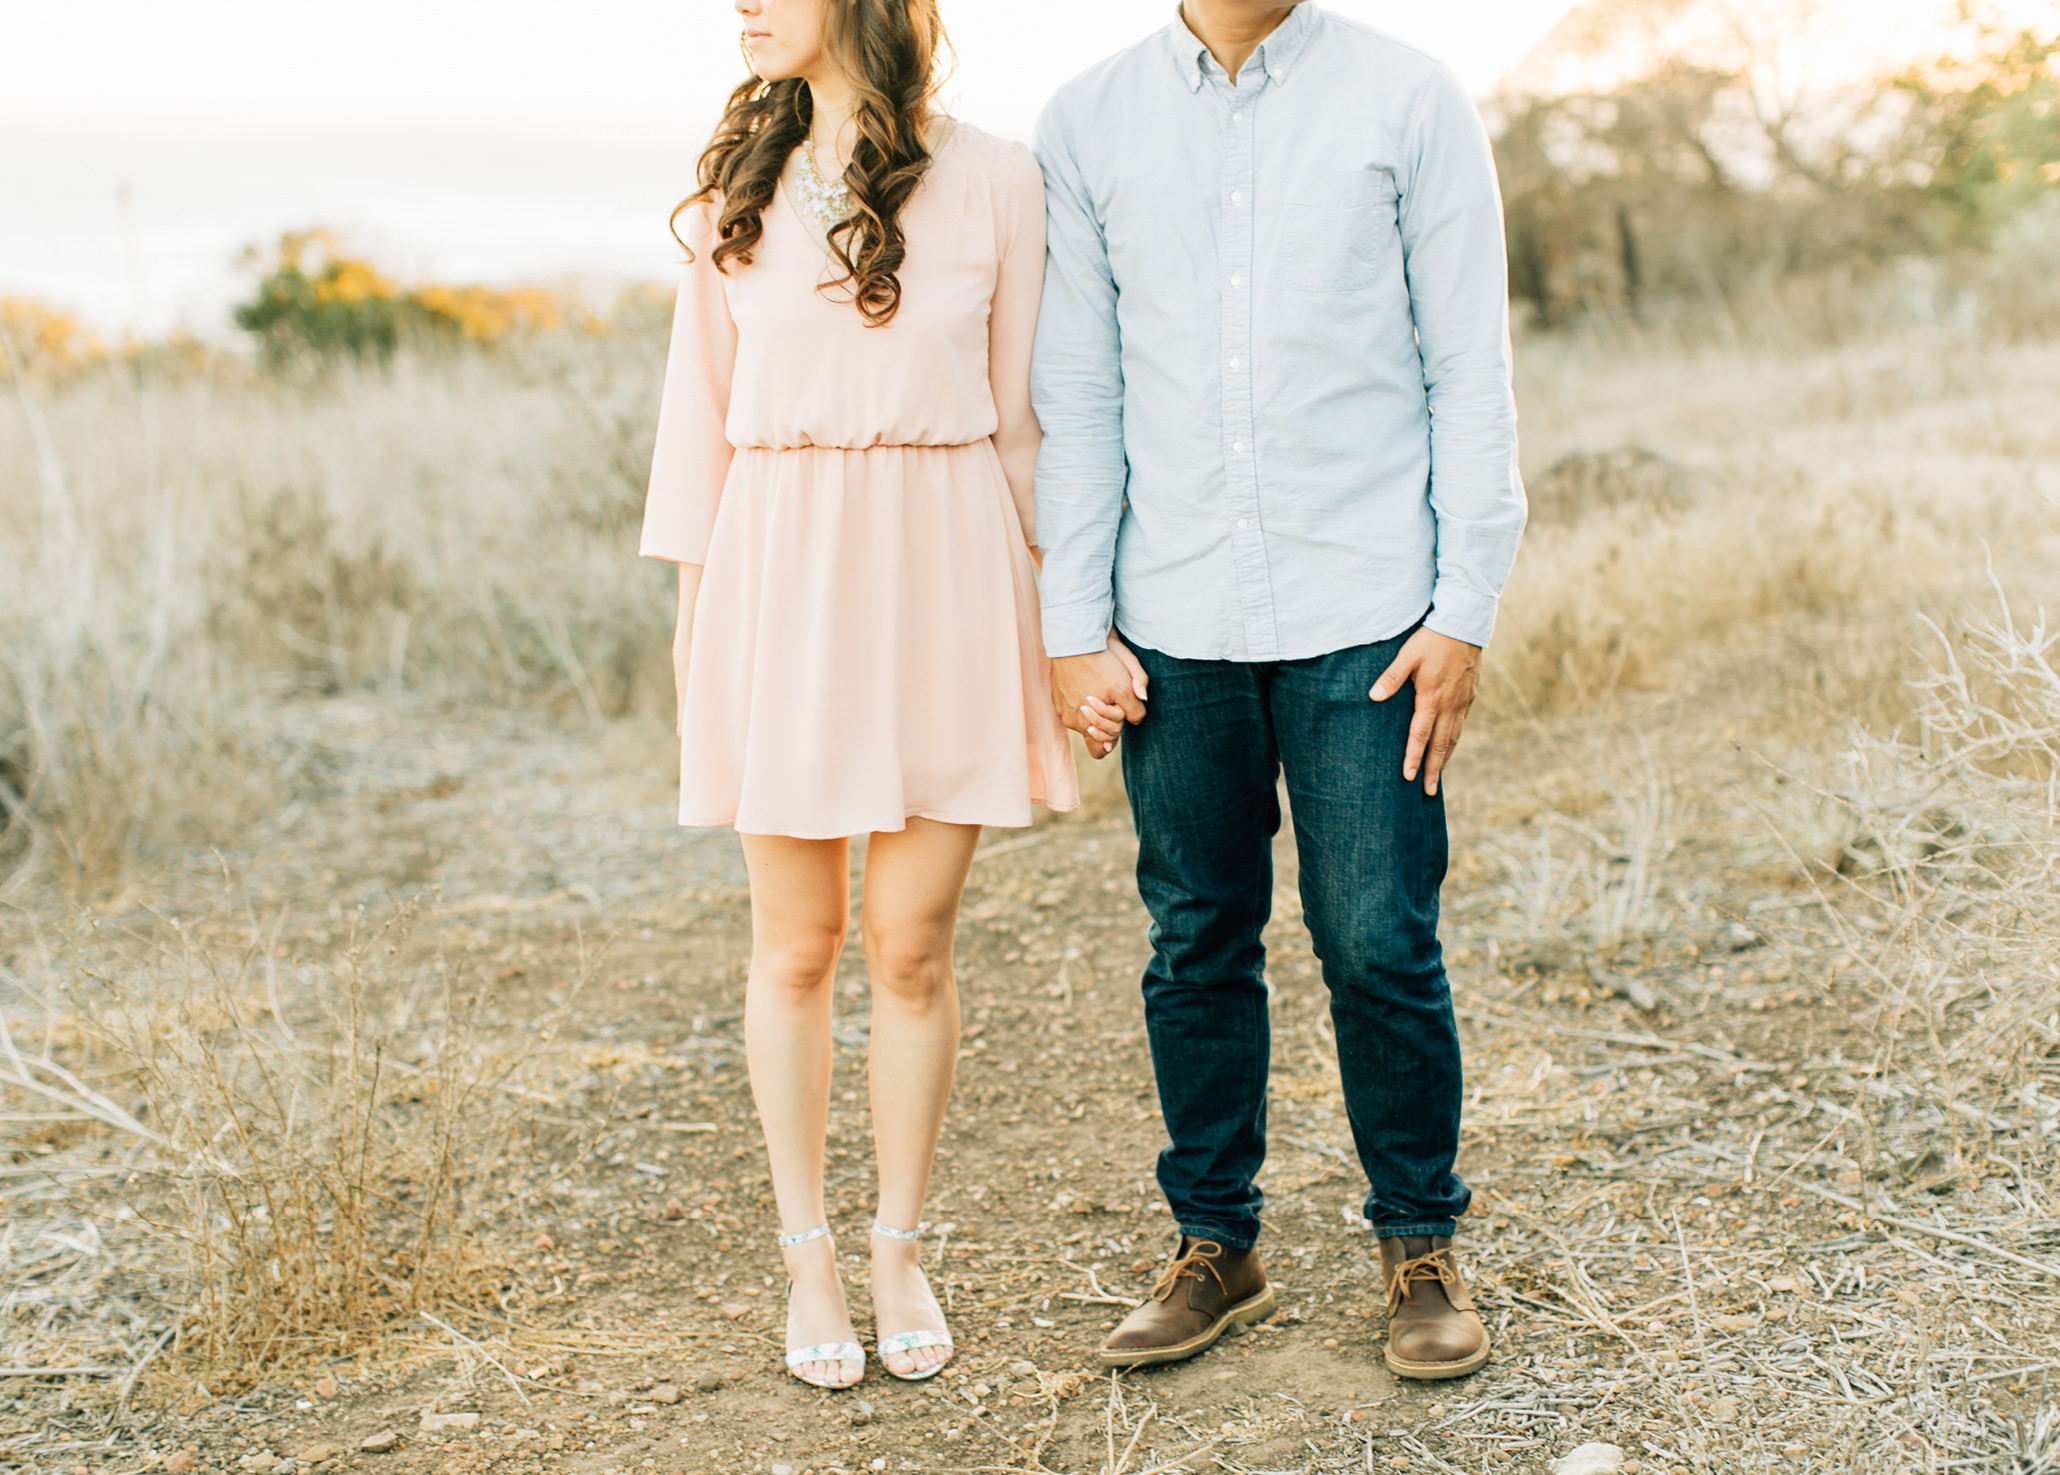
x,y
1207,1292
1433,1330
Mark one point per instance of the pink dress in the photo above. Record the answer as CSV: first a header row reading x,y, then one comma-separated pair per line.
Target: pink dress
x,y
865,643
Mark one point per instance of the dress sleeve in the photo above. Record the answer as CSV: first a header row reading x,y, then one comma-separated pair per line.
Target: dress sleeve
x,y
692,459
1012,327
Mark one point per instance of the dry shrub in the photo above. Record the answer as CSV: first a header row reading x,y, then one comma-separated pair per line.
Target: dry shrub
x,y
1948,881
323,1166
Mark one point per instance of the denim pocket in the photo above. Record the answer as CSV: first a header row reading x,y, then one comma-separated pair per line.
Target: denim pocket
x,y
1335,235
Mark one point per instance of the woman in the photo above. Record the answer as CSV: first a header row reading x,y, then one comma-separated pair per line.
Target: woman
x,y
843,475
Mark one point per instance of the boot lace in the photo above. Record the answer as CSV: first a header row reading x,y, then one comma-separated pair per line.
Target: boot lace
x,y
1202,1256
1436,1266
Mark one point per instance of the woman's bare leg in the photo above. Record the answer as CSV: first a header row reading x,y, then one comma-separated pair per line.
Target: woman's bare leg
x,y
800,905
913,881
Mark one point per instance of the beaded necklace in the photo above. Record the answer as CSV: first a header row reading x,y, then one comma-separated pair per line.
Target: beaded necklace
x,y
829,204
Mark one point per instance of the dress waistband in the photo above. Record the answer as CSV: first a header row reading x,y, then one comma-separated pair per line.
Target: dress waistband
x,y
914,445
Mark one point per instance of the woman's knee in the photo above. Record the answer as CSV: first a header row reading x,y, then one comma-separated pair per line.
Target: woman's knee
x,y
913,965
799,958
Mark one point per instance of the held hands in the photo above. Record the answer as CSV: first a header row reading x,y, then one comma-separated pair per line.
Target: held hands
x,y
1447,674
1096,694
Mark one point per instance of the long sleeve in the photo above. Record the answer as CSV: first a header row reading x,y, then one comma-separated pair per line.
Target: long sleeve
x,y
1012,331
1453,253
1077,387
692,458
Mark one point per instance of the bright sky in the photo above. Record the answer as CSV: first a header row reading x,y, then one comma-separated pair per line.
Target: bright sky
x,y
627,55
144,143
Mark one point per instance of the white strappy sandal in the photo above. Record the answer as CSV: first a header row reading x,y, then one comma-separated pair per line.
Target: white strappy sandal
x,y
822,1351
910,1341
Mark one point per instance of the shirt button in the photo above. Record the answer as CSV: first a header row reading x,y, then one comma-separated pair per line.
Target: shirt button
x,y
1236,363
1237,445
1237,117
1236,280
1237,197
1244,522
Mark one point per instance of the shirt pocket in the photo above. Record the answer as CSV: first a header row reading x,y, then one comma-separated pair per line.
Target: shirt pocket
x,y
1336,229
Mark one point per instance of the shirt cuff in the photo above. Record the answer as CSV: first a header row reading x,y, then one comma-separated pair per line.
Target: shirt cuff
x,y
1077,629
1460,613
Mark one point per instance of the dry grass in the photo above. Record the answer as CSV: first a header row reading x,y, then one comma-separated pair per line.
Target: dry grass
x,y
183,550
190,548
1684,495
318,1150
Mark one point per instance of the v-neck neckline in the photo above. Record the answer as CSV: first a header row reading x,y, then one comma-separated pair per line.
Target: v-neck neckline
x,y
947,135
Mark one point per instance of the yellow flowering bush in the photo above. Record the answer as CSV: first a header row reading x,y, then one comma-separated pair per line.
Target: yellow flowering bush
x,y
314,300
36,339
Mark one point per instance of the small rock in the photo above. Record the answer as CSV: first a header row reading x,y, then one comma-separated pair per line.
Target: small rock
x,y
674,1209
325,1387
708,1382
1590,1459
316,1454
782,1470
448,1423
544,1242
181,1463
592,1387
286,1467
735,1310
667,1393
1735,1323
1021,1368
1725,1410
380,1443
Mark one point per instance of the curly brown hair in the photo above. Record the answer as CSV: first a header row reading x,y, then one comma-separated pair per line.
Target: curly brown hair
x,y
889,50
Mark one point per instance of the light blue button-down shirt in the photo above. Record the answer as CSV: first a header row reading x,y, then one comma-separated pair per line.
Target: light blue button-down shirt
x,y
1273,365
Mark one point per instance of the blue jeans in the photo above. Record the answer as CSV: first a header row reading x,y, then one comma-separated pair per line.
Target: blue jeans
x,y
1202,770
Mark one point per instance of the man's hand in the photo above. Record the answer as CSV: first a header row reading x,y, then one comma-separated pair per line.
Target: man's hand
x,y
1096,694
1447,674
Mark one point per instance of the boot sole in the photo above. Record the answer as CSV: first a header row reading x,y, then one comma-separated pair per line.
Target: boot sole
x,y
1248,1312
1432,1372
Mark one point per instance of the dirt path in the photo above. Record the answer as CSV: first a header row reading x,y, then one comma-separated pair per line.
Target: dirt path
x,y
1672,1254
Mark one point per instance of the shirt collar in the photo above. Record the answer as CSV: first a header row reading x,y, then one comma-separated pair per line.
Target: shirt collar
x,y
1276,53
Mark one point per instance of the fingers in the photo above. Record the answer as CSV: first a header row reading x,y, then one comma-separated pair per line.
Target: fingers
x,y
1444,739
1421,726
1103,726
1101,720
1396,676
1140,683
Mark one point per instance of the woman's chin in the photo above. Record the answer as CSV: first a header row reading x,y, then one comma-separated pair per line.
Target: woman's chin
x,y
770,65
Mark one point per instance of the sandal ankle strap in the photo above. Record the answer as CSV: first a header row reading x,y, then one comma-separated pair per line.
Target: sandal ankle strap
x,y
906,1236
805,1237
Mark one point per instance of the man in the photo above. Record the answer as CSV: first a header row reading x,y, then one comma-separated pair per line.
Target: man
x,y
1280,466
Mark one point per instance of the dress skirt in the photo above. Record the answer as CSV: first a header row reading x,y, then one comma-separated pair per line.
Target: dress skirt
x,y
865,648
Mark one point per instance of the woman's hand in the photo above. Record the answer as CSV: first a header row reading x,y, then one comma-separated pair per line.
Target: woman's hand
x,y
683,644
